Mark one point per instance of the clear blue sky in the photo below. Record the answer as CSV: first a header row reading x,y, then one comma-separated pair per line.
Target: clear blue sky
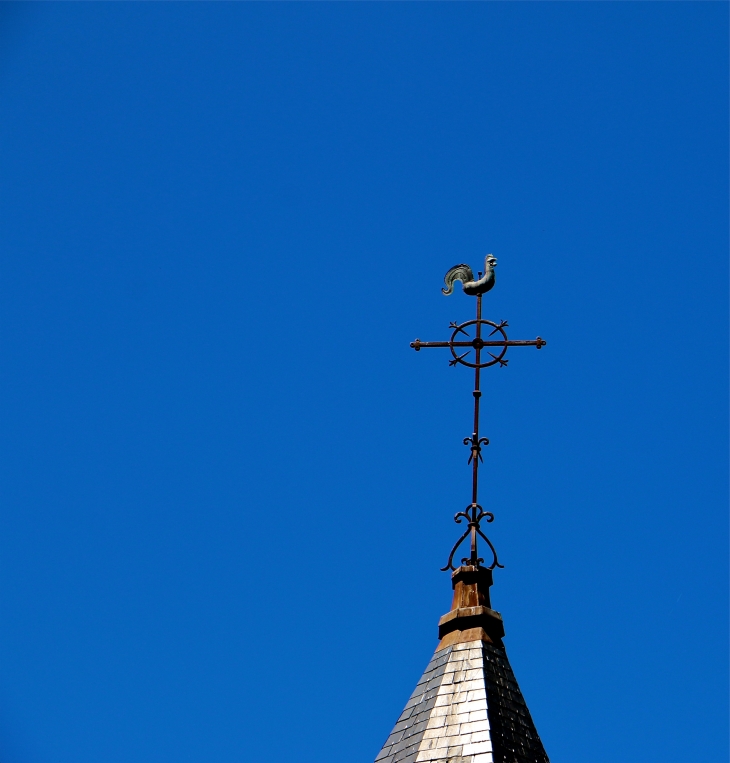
x,y
227,482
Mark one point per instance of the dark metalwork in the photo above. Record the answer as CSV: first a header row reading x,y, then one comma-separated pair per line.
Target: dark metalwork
x,y
474,513
479,344
476,446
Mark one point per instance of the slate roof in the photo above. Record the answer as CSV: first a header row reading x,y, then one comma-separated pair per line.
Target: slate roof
x,y
467,708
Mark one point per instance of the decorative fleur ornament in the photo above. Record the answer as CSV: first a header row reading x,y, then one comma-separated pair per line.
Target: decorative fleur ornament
x,y
476,446
488,351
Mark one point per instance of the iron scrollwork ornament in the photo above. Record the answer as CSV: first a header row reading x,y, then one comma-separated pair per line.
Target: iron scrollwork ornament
x,y
473,514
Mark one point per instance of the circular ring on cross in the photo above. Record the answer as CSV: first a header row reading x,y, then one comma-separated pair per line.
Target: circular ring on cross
x,y
479,343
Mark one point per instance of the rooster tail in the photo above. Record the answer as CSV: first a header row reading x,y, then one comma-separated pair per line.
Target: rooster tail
x,y
461,273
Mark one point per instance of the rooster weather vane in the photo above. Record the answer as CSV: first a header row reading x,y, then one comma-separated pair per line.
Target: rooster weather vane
x,y
487,352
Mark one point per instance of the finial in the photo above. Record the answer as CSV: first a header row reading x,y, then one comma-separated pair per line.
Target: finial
x,y
461,339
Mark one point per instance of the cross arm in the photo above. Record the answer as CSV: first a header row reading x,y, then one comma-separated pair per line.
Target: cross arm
x,y
478,343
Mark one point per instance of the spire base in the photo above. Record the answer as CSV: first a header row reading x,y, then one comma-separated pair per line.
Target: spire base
x,y
471,618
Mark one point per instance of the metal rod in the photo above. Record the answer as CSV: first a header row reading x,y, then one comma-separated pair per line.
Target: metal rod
x,y
475,466
483,343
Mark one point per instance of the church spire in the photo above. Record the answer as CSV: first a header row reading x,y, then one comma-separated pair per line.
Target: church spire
x,y
467,707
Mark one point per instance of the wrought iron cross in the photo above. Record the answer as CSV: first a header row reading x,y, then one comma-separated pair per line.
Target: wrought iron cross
x,y
474,513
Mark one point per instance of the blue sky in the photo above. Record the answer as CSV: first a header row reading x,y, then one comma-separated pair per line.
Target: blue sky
x,y
227,482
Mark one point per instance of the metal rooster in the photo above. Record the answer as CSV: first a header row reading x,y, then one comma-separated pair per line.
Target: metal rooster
x,y
464,274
